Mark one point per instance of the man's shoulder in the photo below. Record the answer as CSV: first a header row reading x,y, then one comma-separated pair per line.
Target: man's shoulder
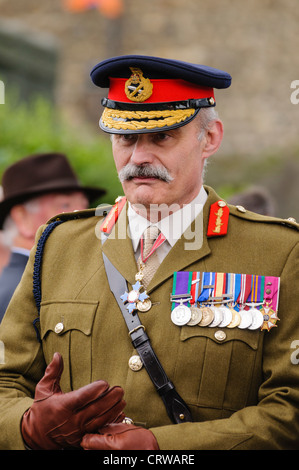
x,y
281,227
100,211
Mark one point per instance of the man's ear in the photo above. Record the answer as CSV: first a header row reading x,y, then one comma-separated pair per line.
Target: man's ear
x,y
213,138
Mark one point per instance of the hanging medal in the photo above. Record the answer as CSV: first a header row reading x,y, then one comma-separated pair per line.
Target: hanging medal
x,y
226,295
196,313
246,317
181,314
216,298
207,285
255,300
234,289
270,304
136,300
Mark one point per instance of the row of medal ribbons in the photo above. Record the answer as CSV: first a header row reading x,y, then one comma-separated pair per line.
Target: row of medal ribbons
x,y
245,301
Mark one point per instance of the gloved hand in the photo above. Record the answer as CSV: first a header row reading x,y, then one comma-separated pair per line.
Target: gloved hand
x,y
58,420
120,436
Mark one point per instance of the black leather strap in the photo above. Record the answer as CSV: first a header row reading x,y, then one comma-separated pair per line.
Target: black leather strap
x,y
176,408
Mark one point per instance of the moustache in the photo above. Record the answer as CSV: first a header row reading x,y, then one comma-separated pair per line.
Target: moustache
x,y
131,171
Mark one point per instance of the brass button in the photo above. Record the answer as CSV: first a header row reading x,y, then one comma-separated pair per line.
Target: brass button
x,y
268,291
221,203
59,328
241,209
220,335
135,363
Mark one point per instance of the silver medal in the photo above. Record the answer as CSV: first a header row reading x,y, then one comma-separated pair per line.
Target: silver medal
x,y
218,316
181,315
227,316
196,316
257,319
246,319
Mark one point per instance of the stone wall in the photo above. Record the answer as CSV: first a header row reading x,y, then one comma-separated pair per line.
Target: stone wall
x,y
256,41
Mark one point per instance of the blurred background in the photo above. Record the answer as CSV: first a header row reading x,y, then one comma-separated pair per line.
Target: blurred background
x,y
48,48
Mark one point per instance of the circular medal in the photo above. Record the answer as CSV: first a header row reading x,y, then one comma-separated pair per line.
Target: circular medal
x,y
246,319
236,319
196,316
180,315
218,316
257,319
227,316
207,316
144,306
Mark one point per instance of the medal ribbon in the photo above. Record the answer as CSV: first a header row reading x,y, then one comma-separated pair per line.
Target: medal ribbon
x,y
229,287
158,242
195,286
219,286
245,289
272,285
181,285
208,281
257,291
237,289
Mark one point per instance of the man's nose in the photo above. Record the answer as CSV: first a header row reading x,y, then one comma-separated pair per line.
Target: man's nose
x,y
142,152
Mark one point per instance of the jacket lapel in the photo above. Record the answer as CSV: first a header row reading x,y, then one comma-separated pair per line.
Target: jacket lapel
x,y
119,250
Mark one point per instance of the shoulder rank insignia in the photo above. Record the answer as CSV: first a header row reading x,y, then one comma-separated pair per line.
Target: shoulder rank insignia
x,y
110,220
218,219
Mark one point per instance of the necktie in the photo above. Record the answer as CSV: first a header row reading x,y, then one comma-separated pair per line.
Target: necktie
x,y
149,262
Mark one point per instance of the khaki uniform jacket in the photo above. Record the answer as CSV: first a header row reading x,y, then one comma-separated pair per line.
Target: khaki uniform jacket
x,y
243,391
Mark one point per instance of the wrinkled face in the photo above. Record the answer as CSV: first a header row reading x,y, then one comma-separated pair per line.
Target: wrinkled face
x,y
167,165
56,203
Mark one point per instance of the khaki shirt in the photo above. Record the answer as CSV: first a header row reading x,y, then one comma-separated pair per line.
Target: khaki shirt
x,y
242,389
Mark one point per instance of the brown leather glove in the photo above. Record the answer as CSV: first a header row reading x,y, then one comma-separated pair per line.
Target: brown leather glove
x,y
59,420
120,436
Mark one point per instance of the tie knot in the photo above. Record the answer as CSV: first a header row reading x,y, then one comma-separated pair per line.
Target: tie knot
x,y
149,236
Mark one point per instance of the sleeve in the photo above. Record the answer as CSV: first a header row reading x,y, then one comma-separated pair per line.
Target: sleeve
x,y
274,422
22,364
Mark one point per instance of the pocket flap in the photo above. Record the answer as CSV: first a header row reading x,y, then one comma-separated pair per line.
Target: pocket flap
x,y
251,338
63,316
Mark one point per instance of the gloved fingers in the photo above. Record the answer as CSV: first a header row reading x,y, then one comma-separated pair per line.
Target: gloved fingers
x,y
111,413
91,397
95,442
49,383
120,436
71,436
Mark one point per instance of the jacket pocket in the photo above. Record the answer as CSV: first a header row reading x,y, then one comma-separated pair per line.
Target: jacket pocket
x,y
66,327
219,366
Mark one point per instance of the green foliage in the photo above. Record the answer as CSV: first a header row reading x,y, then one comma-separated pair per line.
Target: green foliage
x,y
34,127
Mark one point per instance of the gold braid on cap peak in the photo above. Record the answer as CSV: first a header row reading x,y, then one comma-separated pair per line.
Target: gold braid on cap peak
x,y
111,118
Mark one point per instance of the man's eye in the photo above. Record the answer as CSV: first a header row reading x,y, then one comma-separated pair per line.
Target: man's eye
x,y
127,138
160,136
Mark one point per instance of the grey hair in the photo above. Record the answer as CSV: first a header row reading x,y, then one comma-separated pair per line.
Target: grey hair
x,y
205,117
10,228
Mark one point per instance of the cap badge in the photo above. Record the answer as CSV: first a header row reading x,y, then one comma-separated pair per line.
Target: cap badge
x,y
137,87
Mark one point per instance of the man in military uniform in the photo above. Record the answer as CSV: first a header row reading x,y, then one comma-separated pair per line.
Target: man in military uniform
x,y
182,303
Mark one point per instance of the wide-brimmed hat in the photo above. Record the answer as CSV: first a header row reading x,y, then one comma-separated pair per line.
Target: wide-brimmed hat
x,y
40,174
152,94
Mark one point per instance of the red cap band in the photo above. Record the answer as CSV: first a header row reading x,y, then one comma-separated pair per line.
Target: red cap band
x,y
164,90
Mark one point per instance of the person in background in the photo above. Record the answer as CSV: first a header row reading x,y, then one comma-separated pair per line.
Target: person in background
x,y
256,199
4,250
35,188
